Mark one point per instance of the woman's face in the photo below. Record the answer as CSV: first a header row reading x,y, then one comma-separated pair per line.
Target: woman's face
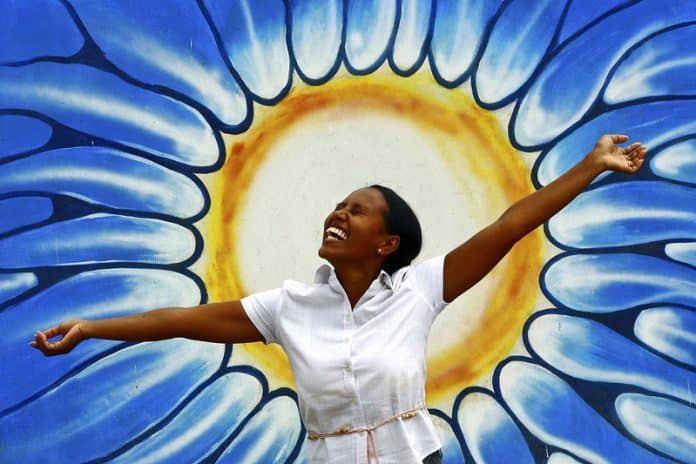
x,y
355,230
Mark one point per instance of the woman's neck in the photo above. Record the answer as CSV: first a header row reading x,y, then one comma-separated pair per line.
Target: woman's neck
x,y
356,280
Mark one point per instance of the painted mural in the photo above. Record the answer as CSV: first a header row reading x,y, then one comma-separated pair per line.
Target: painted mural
x,y
168,153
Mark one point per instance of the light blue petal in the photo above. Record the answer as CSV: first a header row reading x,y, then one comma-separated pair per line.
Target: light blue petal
x,y
369,29
316,59
659,66
105,176
566,89
40,28
588,350
663,424
457,36
653,124
627,213
103,105
253,33
173,48
676,162
21,133
14,284
21,211
518,42
89,295
684,252
452,452
561,458
489,432
98,238
613,282
669,330
555,414
112,401
580,14
269,437
202,425
410,44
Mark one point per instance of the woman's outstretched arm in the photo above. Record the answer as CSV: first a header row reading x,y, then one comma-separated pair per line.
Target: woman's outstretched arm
x,y
472,260
215,322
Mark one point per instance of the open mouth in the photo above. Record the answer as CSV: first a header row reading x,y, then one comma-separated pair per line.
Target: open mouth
x,y
334,233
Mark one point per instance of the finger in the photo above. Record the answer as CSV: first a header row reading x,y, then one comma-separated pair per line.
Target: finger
x,y
618,138
52,332
631,149
45,346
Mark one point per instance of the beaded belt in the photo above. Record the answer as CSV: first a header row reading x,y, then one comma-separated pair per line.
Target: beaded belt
x,y
371,442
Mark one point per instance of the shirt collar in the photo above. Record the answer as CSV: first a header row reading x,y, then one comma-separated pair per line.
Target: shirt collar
x,y
327,275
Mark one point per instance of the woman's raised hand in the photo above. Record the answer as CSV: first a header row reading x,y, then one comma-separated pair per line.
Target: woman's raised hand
x,y
71,335
613,157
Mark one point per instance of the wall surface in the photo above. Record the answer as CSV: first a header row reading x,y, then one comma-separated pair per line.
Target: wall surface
x,y
168,153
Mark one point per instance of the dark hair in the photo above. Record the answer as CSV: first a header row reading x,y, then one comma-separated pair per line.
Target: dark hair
x,y
400,220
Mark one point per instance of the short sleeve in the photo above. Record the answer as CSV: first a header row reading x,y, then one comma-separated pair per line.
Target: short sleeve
x,y
427,278
262,309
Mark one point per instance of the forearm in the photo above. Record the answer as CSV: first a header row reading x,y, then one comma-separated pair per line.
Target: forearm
x,y
158,324
535,209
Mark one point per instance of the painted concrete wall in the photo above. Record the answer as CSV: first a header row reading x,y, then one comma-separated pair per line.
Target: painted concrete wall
x,y
168,153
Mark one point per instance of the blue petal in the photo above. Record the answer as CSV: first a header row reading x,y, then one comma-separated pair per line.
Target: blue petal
x,y
669,330
684,252
253,32
21,211
90,295
457,36
567,87
174,48
520,39
653,124
98,238
553,412
663,424
670,71
316,59
269,437
617,281
580,14
40,28
489,432
103,105
112,401
21,133
369,28
561,458
627,213
676,162
14,284
201,427
588,350
105,176
409,46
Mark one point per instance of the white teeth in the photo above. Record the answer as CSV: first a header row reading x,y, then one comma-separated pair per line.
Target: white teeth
x,y
336,233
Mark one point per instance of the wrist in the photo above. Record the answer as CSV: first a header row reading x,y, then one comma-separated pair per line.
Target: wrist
x,y
597,162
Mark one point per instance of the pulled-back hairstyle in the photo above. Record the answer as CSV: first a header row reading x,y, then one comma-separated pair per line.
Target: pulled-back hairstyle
x,y
400,220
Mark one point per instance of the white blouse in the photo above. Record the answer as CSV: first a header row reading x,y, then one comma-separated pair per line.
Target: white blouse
x,y
356,368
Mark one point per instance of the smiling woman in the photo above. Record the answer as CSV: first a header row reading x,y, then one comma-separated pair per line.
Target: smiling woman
x,y
116,130
353,132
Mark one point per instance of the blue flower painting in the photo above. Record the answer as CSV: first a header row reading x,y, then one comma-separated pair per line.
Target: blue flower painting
x,y
120,125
